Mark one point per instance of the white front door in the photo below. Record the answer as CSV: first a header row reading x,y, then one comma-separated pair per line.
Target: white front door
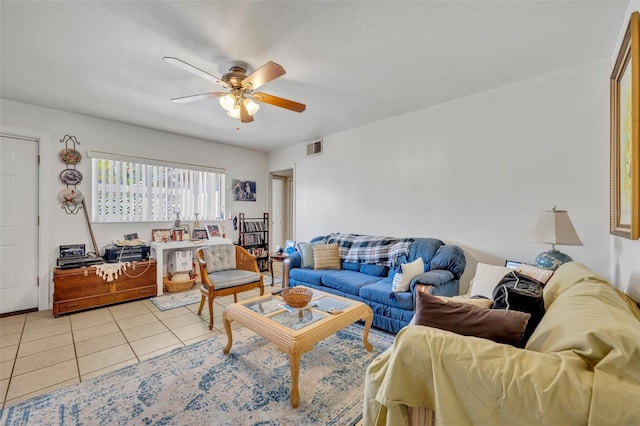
x,y
18,224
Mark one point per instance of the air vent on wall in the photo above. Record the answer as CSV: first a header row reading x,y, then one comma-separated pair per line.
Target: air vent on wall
x,y
314,148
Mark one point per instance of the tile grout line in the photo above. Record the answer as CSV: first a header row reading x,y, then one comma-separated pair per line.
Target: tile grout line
x,y
15,359
74,331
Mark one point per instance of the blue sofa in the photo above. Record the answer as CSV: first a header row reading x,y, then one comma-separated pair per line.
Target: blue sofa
x,y
368,279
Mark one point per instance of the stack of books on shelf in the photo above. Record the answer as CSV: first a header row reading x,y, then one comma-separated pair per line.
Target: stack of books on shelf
x,y
258,252
254,227
253,239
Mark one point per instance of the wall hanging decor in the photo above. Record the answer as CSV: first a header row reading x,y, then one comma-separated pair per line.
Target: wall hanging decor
x,y
70,198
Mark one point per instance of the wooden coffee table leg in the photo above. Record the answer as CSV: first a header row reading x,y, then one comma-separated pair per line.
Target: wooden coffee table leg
x,y
227,329
365,334
294,364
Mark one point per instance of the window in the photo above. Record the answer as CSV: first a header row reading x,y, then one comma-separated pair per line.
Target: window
x,y
132,189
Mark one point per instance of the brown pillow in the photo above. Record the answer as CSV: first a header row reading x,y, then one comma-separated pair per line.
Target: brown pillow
x,y
469,320
326,256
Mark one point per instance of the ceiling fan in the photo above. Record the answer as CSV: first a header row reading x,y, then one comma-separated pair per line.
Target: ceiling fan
x,y
238,101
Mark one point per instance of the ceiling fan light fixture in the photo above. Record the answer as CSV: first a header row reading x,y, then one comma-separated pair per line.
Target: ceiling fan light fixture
x,y
227,101
234,113
239,101
252,107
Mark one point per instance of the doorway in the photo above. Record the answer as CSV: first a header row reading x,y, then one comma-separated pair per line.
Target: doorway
x,y
282,202
18,224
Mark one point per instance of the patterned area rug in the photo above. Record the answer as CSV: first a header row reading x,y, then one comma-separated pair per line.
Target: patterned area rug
x,y
175,300
197,384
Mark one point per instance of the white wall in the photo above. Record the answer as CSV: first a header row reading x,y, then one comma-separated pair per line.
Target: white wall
x,y
474,172
103,135
625,253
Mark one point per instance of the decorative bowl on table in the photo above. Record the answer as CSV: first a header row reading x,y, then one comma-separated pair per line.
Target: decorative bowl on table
x,y
297,297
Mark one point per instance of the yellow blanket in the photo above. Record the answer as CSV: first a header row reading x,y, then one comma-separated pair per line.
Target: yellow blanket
x,y
581,366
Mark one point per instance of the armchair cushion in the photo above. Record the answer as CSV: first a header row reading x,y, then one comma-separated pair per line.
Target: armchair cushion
x,y
232,278
220,257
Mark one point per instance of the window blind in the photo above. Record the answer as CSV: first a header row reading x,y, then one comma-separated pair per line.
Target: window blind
x,y
126,189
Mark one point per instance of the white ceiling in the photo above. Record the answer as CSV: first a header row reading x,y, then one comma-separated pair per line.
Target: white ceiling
x,y
351,63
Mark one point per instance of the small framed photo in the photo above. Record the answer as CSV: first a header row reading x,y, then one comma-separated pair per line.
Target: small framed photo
x,y
186,234
214,231
200,234
161,235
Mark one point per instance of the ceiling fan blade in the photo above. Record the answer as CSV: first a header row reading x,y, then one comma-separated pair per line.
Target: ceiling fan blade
x,y
197,71
193,98
279,102
264,74
245,117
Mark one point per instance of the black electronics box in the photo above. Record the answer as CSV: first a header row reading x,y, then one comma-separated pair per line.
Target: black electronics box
x,y
114,253
75,256
78,262
72,250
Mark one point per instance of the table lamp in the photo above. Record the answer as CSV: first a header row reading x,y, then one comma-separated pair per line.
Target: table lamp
x,y
553,227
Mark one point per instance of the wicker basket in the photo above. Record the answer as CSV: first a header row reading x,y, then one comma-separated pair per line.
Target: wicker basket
x,y
297,297
176,286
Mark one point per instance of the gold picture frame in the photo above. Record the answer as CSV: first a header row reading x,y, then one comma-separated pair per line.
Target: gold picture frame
x,y
625,135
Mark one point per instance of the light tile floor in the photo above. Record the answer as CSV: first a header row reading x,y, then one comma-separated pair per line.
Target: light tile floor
x,y
40,353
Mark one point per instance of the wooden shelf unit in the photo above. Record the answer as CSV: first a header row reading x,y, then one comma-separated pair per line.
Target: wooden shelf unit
x,y
254,237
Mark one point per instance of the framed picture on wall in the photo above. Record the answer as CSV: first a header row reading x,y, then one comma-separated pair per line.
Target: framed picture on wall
x,y
625,135
244,190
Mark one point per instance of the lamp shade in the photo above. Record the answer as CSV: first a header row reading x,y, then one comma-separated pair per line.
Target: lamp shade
x,y
554,227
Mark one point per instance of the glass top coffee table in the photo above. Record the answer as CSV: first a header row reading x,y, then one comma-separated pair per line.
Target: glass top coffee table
x,y
296,331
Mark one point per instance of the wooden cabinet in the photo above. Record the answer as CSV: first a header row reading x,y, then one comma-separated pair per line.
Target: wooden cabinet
x,y
254,237
80,288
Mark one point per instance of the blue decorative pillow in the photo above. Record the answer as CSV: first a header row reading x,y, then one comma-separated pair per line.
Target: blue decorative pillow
x,y
375,270
351,266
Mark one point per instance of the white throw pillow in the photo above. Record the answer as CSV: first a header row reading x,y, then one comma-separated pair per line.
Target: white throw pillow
x,y
486,279
306,255
407,272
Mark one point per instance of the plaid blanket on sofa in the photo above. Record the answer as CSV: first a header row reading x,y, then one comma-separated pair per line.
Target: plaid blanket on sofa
x,y
370,249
